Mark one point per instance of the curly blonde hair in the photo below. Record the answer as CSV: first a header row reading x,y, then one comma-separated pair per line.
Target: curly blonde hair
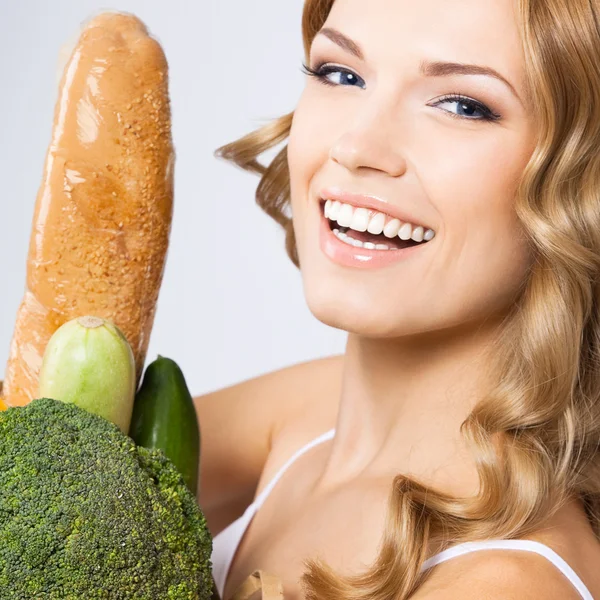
x,y
536,435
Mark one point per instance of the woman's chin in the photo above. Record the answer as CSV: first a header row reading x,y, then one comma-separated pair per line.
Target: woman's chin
x,y
358,315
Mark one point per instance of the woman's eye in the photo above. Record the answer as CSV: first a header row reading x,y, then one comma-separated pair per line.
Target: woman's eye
x,y
341,77
467,108
335,76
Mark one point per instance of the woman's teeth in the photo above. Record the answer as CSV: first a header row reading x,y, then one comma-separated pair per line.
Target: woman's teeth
x,y
358,219
358,244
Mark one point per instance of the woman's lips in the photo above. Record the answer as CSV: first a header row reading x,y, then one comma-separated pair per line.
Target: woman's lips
x,y
350,256
369,202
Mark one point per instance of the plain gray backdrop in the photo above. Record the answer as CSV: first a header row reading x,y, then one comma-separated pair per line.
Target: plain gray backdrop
x,y
231,305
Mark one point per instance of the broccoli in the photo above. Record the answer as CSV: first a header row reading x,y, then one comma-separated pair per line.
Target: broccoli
x,y
86,514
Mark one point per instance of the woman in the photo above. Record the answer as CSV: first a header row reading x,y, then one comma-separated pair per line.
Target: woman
x,y
465,412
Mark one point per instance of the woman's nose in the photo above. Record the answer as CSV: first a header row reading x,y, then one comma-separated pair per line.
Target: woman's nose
x,y
367,148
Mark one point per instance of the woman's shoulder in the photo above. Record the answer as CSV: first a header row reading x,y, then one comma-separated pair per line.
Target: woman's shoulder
x,y
569,533
244,425
311,400
499,574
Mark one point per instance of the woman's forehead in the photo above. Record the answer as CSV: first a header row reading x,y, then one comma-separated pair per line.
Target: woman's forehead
x,y
470,31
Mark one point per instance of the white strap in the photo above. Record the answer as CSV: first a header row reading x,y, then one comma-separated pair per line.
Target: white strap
x,y
328,435
225,544
527,545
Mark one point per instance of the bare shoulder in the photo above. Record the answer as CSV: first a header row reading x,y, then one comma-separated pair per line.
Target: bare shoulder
x,y
520,575
311,393
240,424
497,575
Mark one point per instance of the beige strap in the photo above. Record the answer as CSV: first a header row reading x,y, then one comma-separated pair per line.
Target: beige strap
x,y
259,586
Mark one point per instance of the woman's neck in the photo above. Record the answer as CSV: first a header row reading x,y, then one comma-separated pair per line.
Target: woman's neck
x,y
401,407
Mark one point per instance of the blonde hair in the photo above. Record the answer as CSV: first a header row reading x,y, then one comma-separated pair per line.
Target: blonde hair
x,y
536,435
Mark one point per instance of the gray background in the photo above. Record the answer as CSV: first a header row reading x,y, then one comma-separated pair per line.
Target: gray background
x,y
231,305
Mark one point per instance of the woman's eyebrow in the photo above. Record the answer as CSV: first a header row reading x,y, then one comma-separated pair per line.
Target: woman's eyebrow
x,y
337,37
441,69
426,68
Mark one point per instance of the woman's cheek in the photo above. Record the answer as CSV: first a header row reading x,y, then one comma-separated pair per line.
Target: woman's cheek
x,y
307,149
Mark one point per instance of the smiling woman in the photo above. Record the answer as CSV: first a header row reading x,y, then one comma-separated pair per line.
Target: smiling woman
x,y
444,181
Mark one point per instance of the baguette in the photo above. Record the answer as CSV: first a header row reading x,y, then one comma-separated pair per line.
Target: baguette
x,y
103,213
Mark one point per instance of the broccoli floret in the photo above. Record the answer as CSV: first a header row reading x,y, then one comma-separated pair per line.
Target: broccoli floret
x,y
86,514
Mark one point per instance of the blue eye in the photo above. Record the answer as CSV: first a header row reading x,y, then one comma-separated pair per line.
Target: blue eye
x,y
322,75
466,109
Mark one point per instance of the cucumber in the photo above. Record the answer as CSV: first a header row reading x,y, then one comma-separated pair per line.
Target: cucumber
x,y
164,416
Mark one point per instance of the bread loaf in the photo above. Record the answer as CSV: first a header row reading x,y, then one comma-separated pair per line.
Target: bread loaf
x,y
103,212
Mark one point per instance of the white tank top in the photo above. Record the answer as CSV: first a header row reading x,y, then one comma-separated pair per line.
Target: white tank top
x,y
226,542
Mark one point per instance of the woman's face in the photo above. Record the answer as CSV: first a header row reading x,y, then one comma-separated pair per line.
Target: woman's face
x,y
382,125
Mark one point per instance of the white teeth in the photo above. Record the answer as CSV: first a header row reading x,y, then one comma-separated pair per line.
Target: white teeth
x,y
405,231
344,217
417,234
376,224
358,219
358,244
334,210
391,229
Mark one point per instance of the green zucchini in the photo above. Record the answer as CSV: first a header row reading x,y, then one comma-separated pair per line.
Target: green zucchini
x,y
164,416
89,362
